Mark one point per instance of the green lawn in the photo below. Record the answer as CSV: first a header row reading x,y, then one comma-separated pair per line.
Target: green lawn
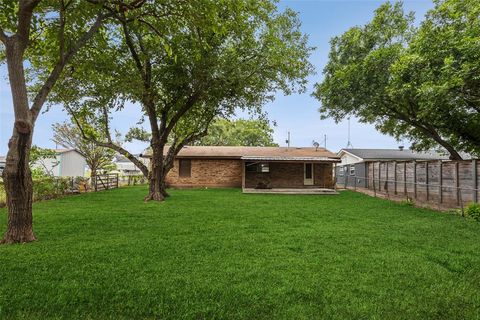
x,y
224,255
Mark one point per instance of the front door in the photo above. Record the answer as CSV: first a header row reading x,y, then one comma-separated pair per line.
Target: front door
x,y
308,174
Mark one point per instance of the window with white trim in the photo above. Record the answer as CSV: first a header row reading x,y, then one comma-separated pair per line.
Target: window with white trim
x,y
352,170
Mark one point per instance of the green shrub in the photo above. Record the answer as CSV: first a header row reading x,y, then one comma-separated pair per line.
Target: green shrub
x,y
473,211
3,195
408,202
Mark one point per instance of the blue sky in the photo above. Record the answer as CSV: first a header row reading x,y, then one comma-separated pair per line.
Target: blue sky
x,y
321,20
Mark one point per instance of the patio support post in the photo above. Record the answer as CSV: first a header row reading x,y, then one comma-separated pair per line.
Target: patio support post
x,y
335,176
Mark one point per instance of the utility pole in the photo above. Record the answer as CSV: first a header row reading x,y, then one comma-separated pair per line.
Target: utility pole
x,y
288,140
349,144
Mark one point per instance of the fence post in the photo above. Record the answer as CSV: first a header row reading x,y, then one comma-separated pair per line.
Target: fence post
x,y
457,182
395,177
373,179
415,179
380,176
405,179
117,180
346,173
387,186
440,182
108,181
355,181
475,181
426,179
95,181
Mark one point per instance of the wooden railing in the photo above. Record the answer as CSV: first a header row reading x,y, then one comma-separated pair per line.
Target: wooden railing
x,y
105,182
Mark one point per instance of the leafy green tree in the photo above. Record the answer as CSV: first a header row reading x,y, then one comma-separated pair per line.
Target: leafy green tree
x,y
186,64
69,136
47,35
36,161
419,83
240,132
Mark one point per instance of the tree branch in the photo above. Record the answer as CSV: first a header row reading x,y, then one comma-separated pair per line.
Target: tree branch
x,y
176,117
41,96
140,165
3,36
25,13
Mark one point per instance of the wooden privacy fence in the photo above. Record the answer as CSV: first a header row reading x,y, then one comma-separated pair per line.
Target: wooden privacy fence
x,y
445,183
105,181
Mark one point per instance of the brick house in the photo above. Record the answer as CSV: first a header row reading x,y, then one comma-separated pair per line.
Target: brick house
x,y
253,168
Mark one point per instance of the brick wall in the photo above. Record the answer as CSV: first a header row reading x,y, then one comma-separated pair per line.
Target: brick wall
x,y
290,175
208,173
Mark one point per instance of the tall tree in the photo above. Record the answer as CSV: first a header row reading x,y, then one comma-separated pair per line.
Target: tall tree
x,y
240,132
419,83
187,64
69,136
47,35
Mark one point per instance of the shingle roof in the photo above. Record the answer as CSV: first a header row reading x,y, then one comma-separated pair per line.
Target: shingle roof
x,y
239,152
303,159
394,154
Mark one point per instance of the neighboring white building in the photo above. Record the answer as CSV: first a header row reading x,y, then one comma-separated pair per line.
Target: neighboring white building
x,y
2,164
127,167
355,162
67,163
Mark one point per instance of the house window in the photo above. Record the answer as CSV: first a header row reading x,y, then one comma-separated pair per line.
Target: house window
x,y
251,167
340,172
264,167
257,167
184,168
352,170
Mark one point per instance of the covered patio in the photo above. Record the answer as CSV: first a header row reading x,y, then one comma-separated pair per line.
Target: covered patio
x,y
288,175
290,191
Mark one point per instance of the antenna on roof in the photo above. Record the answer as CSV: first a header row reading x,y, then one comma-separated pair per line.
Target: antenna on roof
x,y
315,144
288,140
349,144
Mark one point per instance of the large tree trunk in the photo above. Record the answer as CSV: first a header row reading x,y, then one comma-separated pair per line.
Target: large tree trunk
x,y
93,177
19,187
156,175
163,187
17,175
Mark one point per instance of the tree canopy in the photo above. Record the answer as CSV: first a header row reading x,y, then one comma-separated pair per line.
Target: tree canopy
x,y
240,132
39,38
419,83
185,64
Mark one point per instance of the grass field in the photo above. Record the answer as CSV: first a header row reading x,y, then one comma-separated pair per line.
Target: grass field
x,y
224,255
